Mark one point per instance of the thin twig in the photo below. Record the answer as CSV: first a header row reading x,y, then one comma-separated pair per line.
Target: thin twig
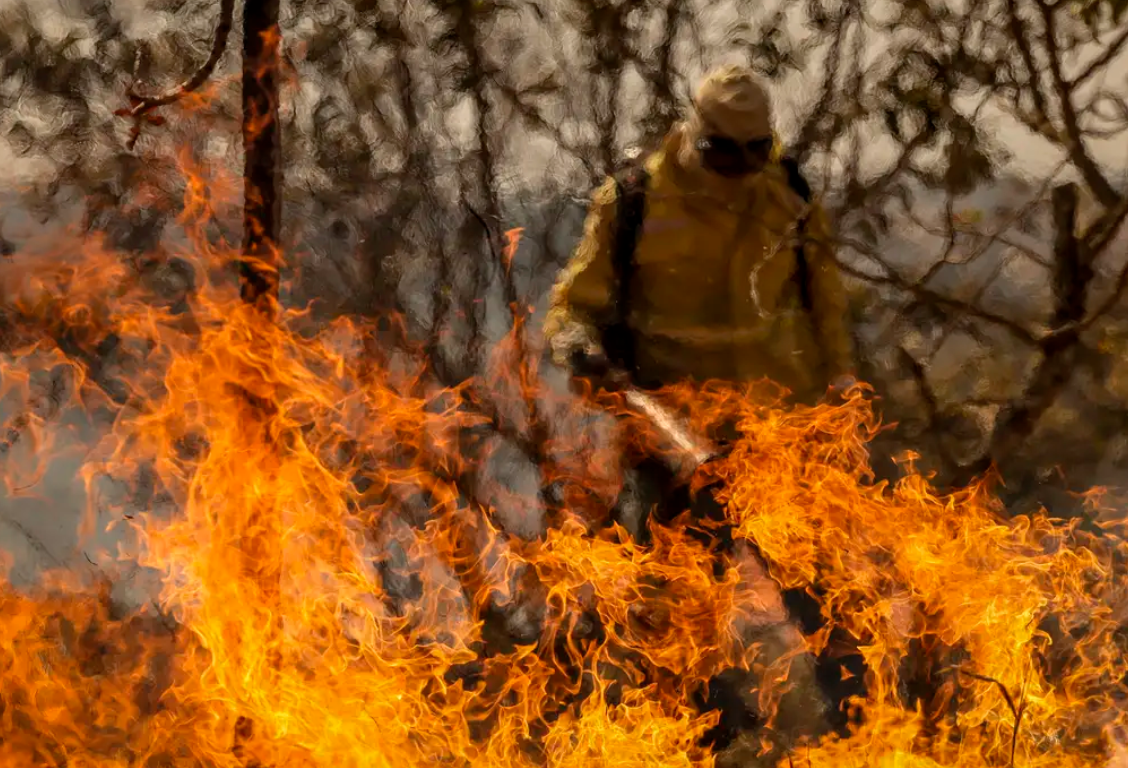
x,y
1074,142
140,106
928,296
1111,52
1040,120
934,410
32,540
1017,710
808,133
488,231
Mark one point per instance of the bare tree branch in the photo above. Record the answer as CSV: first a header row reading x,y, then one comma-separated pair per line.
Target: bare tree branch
x,y
141,106
1093,243
1041,118
1074,140
1017,710
928,296
808,132
1100,62
933,409
1060,351
662,74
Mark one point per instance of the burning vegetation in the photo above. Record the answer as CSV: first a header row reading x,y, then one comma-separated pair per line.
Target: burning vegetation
x,y
330,591
338,588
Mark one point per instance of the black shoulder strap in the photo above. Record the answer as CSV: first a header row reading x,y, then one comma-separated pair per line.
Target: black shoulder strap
x,y
795,178
630,188
801,187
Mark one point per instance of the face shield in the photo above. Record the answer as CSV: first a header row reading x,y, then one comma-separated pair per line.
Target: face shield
x,y
733,158
731,123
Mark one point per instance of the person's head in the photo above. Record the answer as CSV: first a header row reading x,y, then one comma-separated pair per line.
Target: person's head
x,y
730,123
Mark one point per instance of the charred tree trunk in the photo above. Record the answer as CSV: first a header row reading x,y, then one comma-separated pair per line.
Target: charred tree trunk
x,y
258,276
261,221
258,268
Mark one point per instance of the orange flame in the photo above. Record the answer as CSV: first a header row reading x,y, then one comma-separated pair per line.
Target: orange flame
x,y
330,585
512,241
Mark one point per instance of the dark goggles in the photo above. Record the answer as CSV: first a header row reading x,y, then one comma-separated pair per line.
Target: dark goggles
x,y
732,158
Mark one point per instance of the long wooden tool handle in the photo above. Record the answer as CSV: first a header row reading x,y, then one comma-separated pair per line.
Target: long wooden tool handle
x,y
694,448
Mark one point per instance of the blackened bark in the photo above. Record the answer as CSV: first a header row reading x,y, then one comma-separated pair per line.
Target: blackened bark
x,y
1073,271
258,265
258,268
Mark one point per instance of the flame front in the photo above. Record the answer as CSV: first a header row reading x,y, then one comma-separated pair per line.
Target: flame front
x,y
325,578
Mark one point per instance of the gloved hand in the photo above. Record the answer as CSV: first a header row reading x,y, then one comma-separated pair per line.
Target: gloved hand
x,y
836,392
592,363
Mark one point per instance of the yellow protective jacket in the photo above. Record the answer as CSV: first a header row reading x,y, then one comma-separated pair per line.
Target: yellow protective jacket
x,y
714,294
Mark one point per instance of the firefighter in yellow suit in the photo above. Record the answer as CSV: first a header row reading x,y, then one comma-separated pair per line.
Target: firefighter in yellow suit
x,y
717,292
714,293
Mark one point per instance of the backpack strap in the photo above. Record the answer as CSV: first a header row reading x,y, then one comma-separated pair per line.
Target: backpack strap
x,y
630,187
801,187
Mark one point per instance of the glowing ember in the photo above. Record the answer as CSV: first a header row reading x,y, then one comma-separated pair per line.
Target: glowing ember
x,y
311,482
